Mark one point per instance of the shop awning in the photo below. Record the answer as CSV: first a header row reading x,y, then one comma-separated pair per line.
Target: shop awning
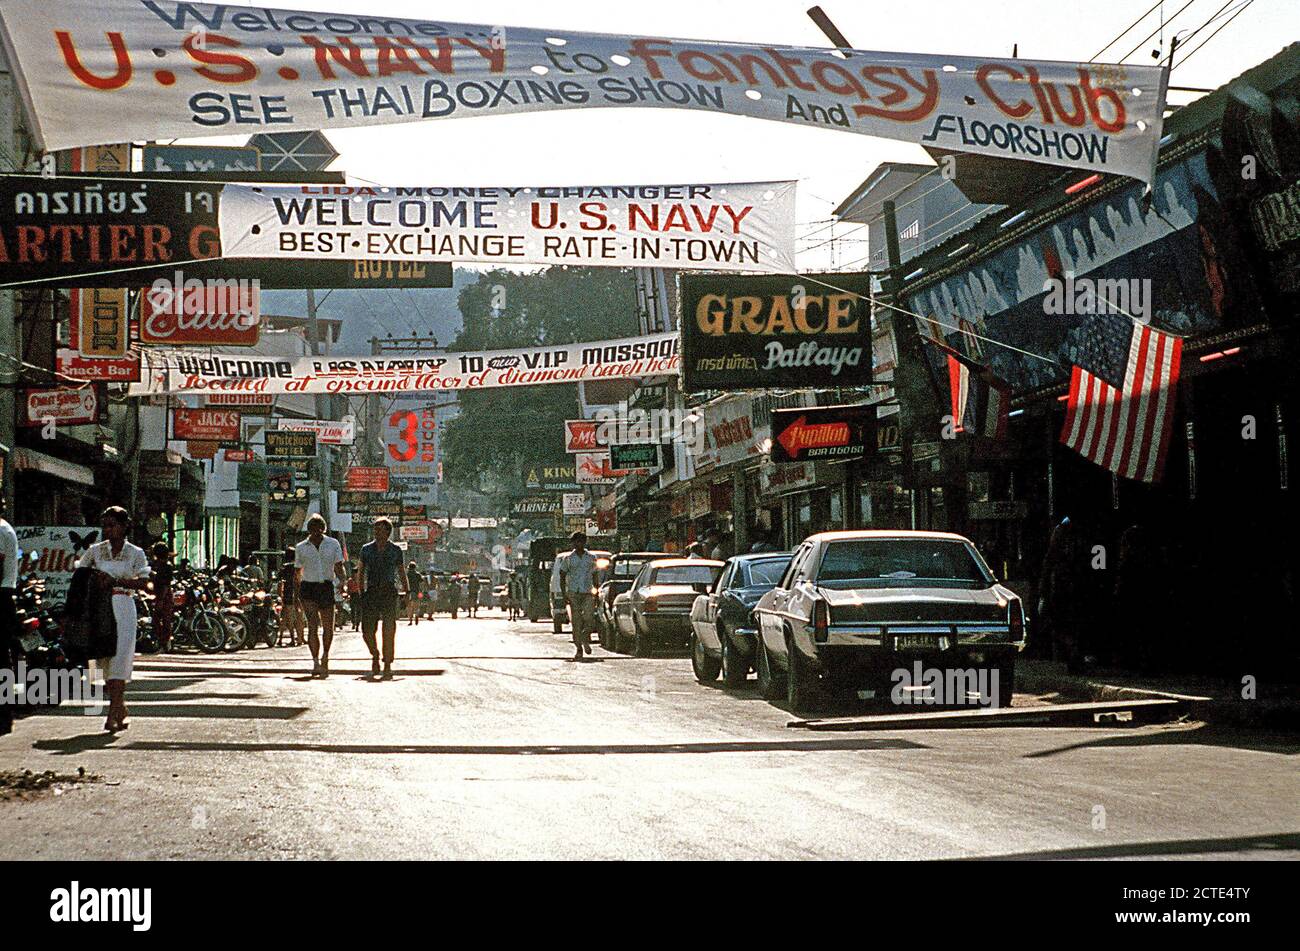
x,y
30,460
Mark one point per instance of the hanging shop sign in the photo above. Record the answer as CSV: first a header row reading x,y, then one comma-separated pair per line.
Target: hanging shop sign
x,y
205,424
68,363
536,505
290,444
200,158
132,231
199,371
250,404
63,406
634,456
575,503
778,480
559,477
120,70
238,455
411,447
202,448
582,435
730,227
208,313
328,432
103,317
366,479
823,432
753,332
730,433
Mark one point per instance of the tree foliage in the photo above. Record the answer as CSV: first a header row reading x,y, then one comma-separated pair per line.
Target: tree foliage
x,y
503,430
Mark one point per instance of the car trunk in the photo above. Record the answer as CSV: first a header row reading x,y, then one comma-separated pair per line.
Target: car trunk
x,y
865,606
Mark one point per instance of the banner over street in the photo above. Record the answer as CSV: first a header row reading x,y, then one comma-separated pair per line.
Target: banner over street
x,y
202,371
122,70
733,227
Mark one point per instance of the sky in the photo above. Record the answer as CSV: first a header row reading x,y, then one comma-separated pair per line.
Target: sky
x,y
643,146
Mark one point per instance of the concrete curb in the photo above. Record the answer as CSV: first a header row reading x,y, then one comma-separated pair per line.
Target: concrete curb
x,y
1036,676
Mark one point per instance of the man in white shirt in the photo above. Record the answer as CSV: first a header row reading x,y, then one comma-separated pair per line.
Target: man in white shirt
x,y
8,618
576,576
318,559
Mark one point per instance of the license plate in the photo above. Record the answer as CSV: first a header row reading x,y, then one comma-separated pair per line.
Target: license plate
x,y
905,642
866,695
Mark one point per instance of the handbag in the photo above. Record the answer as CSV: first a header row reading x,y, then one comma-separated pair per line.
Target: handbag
x,y
89,624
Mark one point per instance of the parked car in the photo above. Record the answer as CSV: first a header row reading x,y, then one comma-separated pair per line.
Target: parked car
x,y
855,606
657,609
623,568
724,631
559,606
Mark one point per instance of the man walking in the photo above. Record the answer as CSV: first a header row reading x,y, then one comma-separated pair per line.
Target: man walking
x,y
577,574
381,572
317,560
471,588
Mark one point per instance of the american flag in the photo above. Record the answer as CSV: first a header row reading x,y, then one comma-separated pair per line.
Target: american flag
x,y
1123,386
980,402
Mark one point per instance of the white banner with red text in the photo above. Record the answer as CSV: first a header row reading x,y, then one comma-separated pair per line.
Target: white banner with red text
x,y
731,227
119,70
208,372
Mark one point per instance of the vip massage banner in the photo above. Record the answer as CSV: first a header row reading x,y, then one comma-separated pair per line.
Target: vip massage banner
x,y
118,70
734,227
202,371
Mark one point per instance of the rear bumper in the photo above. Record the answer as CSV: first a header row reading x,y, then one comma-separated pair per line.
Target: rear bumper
x,y
879,649
665,626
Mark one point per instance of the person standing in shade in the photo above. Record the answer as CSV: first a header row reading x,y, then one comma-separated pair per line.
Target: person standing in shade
x,y
8,613
414,592
318,559
381,574
162,572
129,567
471,590
577,574
453,595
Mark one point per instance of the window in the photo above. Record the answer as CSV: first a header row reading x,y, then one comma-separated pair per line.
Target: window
x,y
901,562
766,573
795,564
687,574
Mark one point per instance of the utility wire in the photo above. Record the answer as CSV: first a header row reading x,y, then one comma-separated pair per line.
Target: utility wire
x,y
1125,30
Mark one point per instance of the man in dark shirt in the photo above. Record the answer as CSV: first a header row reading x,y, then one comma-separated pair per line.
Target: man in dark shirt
x,y
381,574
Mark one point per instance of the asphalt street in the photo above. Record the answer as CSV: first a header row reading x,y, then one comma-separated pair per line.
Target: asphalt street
x,y
490,743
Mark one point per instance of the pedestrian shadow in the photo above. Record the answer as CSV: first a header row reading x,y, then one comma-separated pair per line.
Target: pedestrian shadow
x,y
1261,845
303,672
75,745
195,711
857,744
1203,735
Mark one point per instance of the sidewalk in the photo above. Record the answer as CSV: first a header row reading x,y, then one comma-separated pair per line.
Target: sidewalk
x,y
1278,711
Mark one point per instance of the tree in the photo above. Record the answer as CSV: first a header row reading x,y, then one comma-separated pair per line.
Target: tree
x,y
504,430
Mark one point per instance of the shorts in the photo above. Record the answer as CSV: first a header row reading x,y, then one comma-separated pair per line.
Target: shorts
x,y
319,593
378,604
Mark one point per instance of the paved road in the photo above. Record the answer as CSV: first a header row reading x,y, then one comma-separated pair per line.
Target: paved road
x,y
488,744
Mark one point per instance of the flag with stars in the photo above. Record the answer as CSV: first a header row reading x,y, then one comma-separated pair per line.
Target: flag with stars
x,y
1123,387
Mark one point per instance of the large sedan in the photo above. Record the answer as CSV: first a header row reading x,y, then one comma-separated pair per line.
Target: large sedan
x,y
623,569
656,612
723,628
916,613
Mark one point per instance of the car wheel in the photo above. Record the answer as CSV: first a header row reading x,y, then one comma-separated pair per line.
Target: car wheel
x,y
735,668
1006,683
771,686
706,668
801,691
641,642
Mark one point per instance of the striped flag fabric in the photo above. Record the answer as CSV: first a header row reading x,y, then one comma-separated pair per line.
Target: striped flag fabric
x,y
981,403
1123,389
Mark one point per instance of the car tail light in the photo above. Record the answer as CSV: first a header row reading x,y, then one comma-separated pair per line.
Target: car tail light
x,y
821,620
32,622
1016,621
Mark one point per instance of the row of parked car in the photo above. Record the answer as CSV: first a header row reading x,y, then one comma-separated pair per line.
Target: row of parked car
x,y
841,614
